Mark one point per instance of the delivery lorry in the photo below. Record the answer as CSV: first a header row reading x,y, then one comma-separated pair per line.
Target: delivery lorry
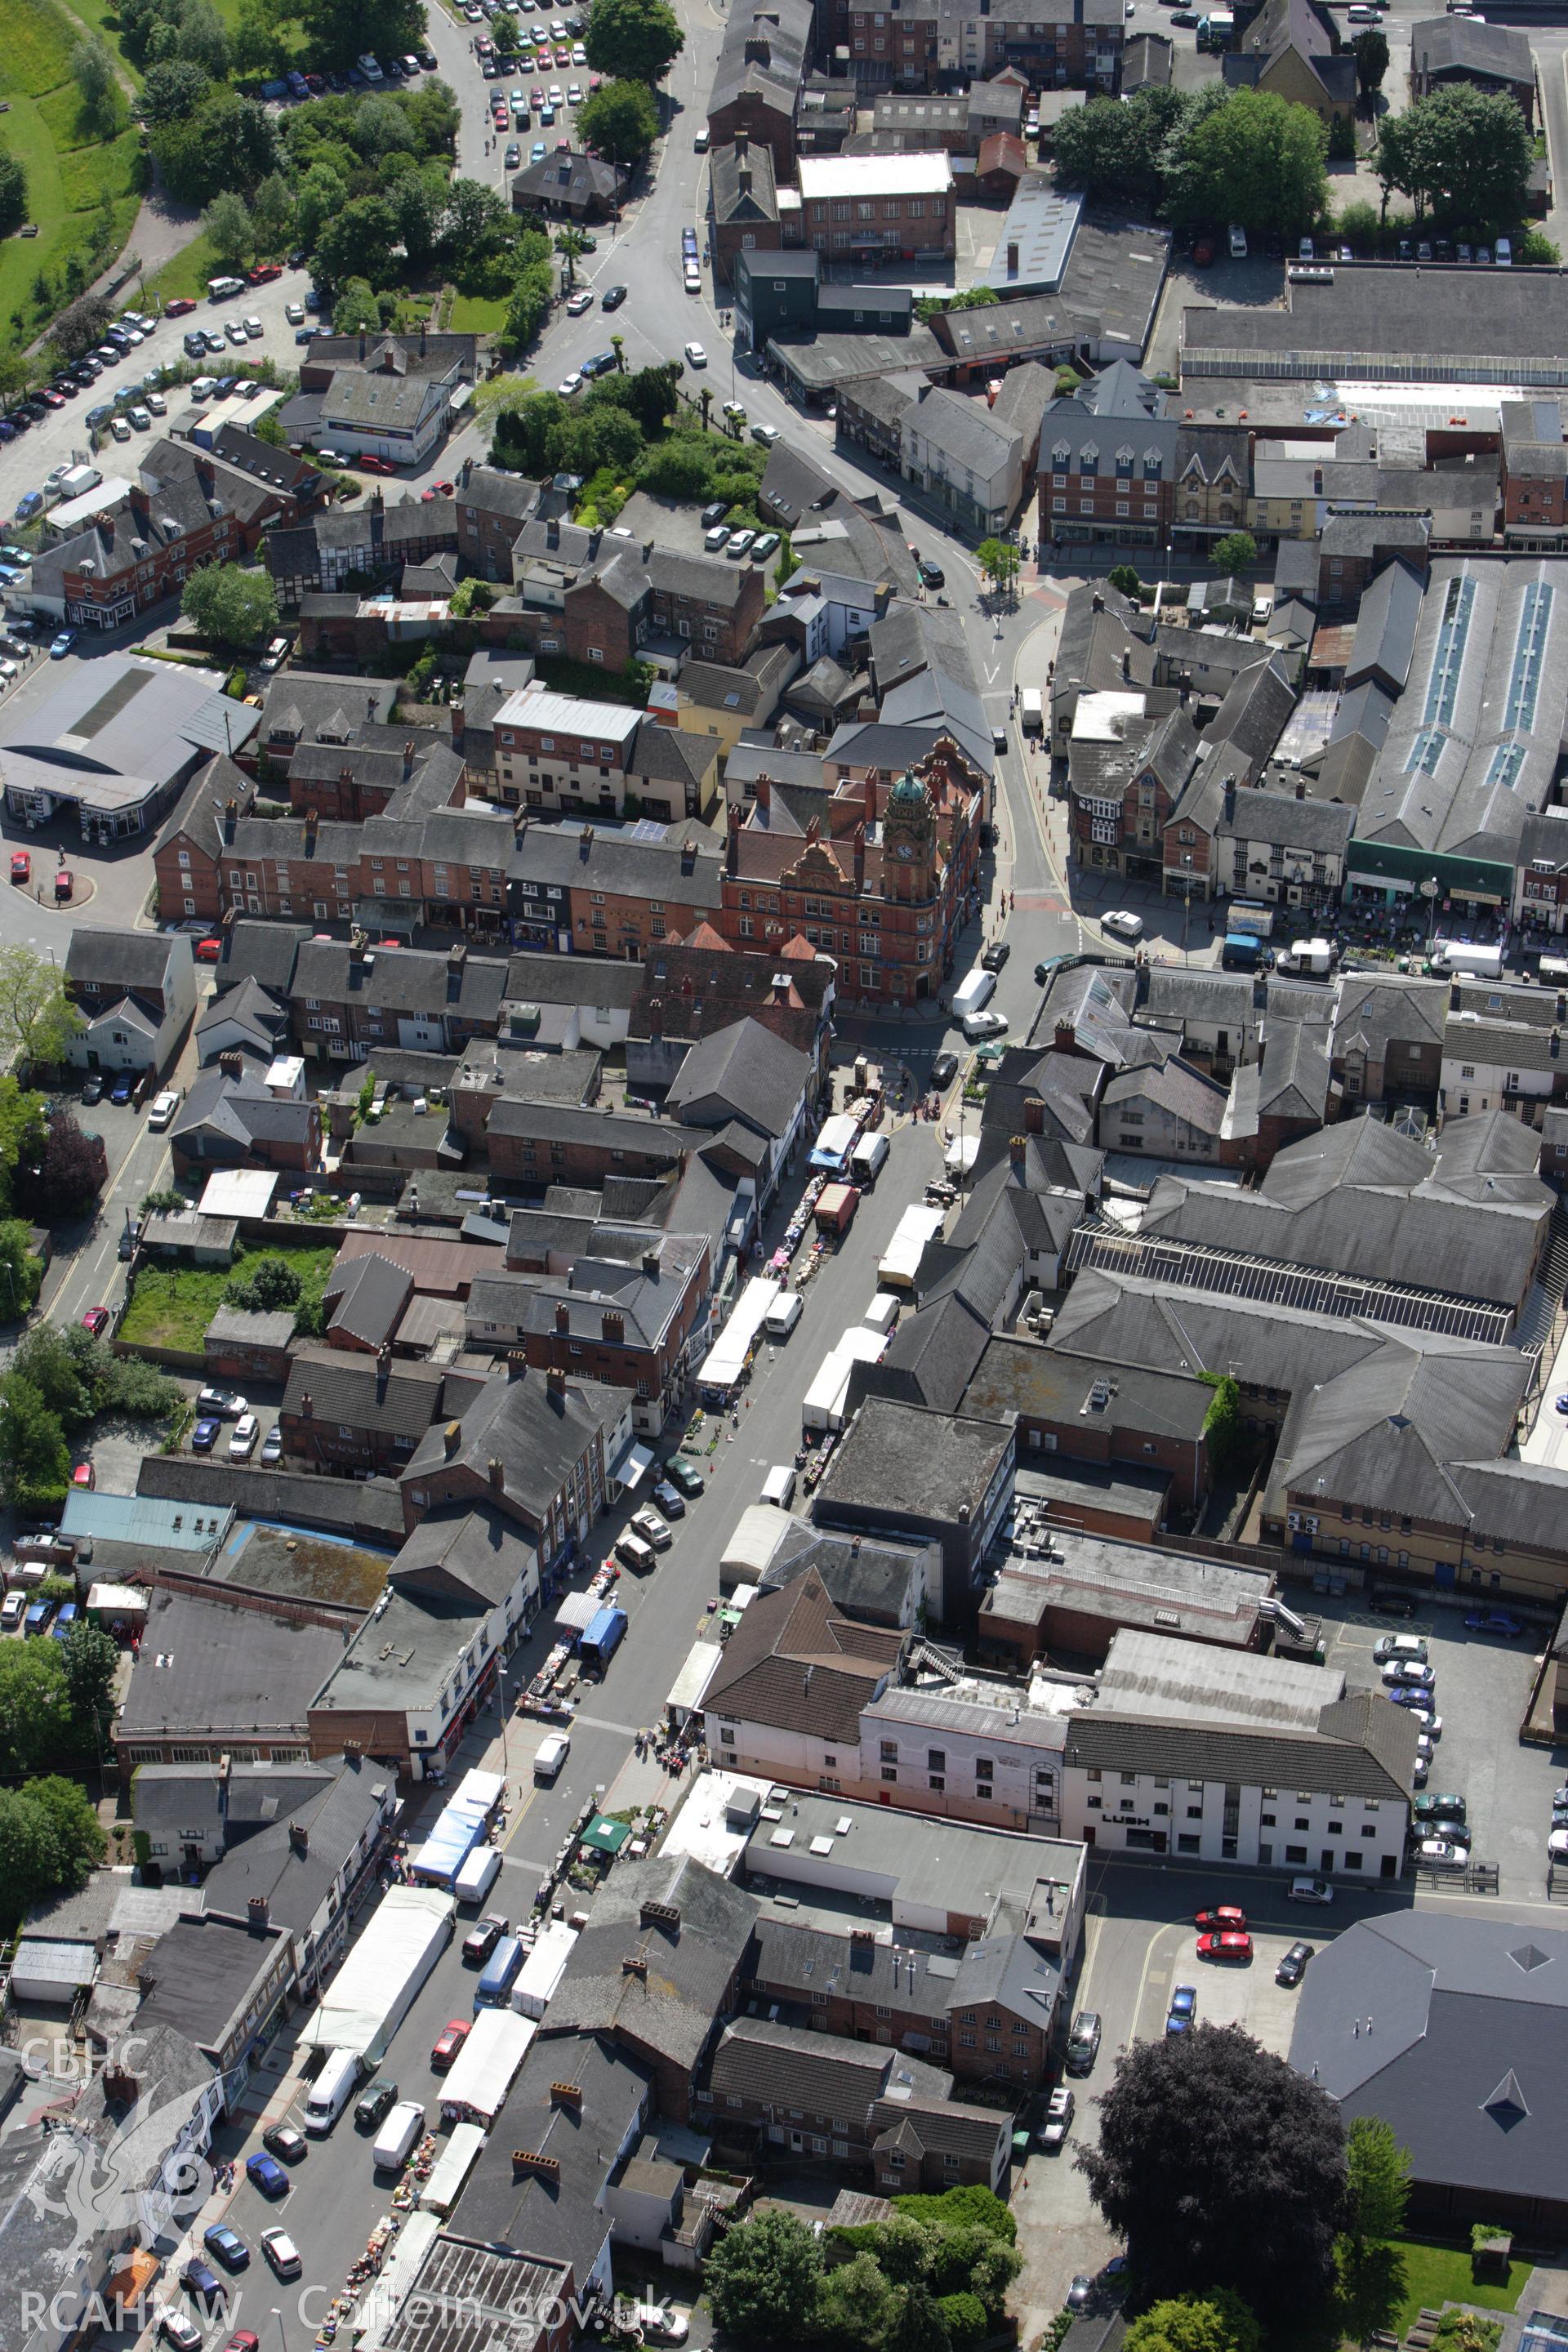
x,y
603,1638
835,1211
1462,957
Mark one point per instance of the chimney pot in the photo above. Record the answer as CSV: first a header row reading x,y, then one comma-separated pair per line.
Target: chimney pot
x,y
496,1473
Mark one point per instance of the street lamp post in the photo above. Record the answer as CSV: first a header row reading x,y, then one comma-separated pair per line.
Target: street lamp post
x,y
282,2337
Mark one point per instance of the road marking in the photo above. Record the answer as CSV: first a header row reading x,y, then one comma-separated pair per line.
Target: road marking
x,y
602,1723
992,675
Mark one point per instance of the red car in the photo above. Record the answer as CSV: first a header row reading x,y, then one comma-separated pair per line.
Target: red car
x,y
448,2042
375,464
52,399
21,866
1224,1914
65,883
179,306
1228,1945
95,1320
208,950
83,1475
444,490
265,272
242,2340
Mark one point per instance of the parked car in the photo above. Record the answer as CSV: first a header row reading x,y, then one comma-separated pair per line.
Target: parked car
x,y
224,1403
95,1320
685,1476
1441,1853
1493,1620
242,1445
1293,1965
1407,1674
1183,2010
1389,1646
125,1085
447,2044
204,1436
1059,2110
1433,1808
266,2174
1308,1890
282,2253
162,1114
1083,2042
283,2141
652,1529
1227,1944
670,1500
1224,1914
272,1448
996,956
178,2328
228,2244
1126,926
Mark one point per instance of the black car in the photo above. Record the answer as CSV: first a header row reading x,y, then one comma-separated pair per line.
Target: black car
x,y
932,575
713,512
996,956
375,2103
611,297
289,2145
480,1941
1083,2042
685,1477
1391,1604
1293,1967
943,1070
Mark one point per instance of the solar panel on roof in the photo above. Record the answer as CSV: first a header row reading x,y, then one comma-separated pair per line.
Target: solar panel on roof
x,y
1270,1282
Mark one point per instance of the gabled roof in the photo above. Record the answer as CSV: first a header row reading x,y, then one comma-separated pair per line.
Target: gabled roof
x,y
745,1072
795,1663
689,1926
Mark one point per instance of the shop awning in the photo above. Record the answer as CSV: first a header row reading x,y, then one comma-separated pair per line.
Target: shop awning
x,y
632,1466
604,1835
577,1613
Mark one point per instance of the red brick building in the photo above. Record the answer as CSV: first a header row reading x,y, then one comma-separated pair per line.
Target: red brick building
x,y
883,889
1534,480
345,1414
871,207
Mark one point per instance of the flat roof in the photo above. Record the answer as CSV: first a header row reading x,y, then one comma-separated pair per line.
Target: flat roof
x,y
1488,326
1150,1675
924,173
239,1193
76,513
145,1519
958,1865
1036,240
535,707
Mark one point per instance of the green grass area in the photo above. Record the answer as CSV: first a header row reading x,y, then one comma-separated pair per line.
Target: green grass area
x,y
188,272
590,683
171,1308
101,17
83,182
1435,2276
477,314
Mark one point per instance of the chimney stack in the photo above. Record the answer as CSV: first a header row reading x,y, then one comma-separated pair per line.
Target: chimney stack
x,y
1017,1148
452,1437
612,1328
496,1473
555,1383
563,1315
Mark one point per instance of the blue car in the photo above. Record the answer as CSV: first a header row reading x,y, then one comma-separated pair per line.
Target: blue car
x,y
538,151
37,1616
265,2171
124,1086
65,1621
64,642
228,2245
203,1437
1493,1620
201,2282
1183,2008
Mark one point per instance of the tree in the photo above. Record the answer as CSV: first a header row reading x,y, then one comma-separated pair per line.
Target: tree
x,y
234,607
998,559
320,195
1115,147
416,202
762,2276
636,40
359,242
1218,2322
13,193
35,1706
26,1855
92,70
1250,156
80,326
1377,2183
76,1835
571,245
1370,51
356,310
204,39
1236,551
21,1274
269,1285
621,121
228,142
337,30
69,1175
172,90
857,2306
1464,153
228,223
1218,2163
44,1357
38,1019
1123,578
34,1462
271,214
92,1661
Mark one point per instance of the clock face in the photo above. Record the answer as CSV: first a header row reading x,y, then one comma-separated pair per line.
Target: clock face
x,y
903,849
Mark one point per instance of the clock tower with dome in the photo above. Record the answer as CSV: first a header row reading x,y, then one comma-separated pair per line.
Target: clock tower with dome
x,y
910,843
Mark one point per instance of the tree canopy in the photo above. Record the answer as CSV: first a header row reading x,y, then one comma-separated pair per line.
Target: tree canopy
x,y
49,1840
1219,2165
13,193
638,40
621,121
233,606
38,1019
1463,154
1217,2321
1377,2183
1251,157
1370,51
763,2277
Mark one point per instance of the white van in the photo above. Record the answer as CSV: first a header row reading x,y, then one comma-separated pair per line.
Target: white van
x,y
1502,253
778,1487
1476,962
975,989
397,2135
634,1553
331,2092
477,1875
866,1159
1032,711
783,1315
551,1754
883,1312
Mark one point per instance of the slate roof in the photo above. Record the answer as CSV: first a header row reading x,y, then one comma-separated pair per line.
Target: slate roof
x,y
295,1882
538,1437
822,2075
353,1389
371,1292
120,959
751,1073
1362,1748
1285,821
1461,45
1389,1427
562,2217
672,2008
795,1663
622,863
